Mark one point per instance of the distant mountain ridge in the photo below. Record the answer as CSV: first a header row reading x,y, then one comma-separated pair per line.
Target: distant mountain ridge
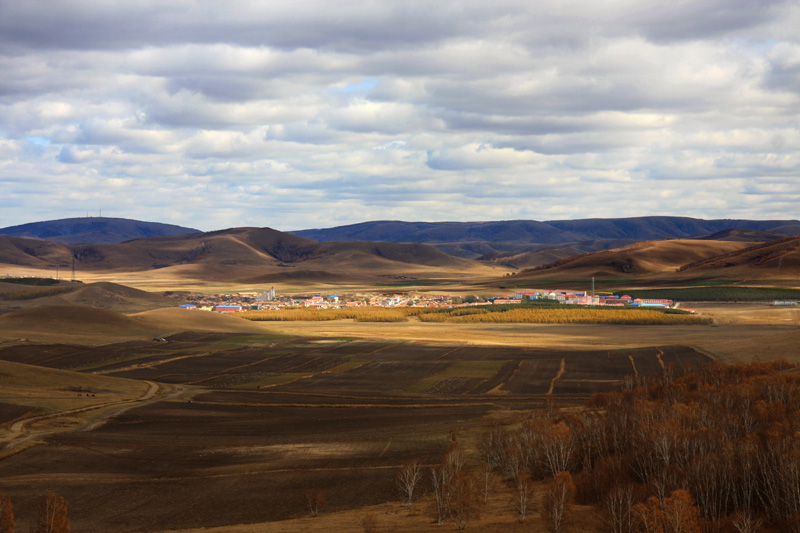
x,y
94,230
550,232
244,254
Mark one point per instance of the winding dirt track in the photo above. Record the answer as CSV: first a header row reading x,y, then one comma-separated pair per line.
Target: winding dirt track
x,y
19,432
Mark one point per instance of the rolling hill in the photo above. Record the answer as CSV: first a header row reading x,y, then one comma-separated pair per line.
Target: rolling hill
x,y
663,259
244,254
93,230
103,295
779,259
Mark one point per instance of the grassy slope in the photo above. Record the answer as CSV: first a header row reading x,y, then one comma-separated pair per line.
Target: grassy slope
x,y
53,390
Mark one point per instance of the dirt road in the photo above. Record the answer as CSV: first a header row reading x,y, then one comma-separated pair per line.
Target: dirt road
x,y
21,432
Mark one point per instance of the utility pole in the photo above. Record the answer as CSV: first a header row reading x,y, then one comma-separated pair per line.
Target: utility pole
x,y
73,269
592,289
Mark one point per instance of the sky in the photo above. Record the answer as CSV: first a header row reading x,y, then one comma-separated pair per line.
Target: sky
x,y
297,115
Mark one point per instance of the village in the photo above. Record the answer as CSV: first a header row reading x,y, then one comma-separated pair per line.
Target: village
x,y
269,300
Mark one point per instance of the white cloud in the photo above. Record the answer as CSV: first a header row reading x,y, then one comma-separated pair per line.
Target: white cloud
x,y
287,115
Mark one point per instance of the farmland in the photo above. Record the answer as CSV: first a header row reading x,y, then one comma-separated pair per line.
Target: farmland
x,y
262,417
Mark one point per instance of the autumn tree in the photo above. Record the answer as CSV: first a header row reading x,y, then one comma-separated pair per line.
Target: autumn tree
x,y
315,498
559,494
52,515
463,503
407,479
676,514
7,521
556,447
523,497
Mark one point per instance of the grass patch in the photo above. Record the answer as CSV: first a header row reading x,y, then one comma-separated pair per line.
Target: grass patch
x,y
245,340
272,381
459,369
37,282
717,293
348,365
33,294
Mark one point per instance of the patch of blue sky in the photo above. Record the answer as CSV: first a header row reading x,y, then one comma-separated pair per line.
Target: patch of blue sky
x,y
364,85
40,141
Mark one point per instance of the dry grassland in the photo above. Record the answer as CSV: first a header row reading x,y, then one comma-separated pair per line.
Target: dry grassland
x,y
739,341
498,514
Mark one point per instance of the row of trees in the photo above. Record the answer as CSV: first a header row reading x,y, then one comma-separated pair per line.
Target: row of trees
x,y
51,518
564,316
484,314
714,449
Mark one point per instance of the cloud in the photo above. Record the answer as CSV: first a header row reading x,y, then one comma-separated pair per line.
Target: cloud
x,y
290,116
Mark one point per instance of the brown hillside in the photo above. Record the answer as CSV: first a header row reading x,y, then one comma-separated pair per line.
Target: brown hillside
x,y
34,253
779,259
68,320
104,295
640,259
90,325
174,319
242,253
118,298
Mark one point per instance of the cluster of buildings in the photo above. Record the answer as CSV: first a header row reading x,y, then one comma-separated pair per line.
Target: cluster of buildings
x,y
245,301
582,298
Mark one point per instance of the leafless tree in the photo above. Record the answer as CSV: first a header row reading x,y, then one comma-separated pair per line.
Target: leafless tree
x,y
316,500
556,447
618,509
52,515
523,497
745,522
407,479
559,495
440,483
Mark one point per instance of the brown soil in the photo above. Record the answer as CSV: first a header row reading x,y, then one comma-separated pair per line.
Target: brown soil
x,y
236,456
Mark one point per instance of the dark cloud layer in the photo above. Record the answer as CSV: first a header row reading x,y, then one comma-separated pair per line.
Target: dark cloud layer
x,y
292,115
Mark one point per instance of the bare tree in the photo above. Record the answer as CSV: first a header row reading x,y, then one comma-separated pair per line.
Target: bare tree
x,y
745,522
440,482
559,495
618,509
557,447
52,515
407,479
443,481
523,497
315,498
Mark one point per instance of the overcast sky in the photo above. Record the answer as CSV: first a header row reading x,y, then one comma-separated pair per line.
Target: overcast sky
x,y
298,114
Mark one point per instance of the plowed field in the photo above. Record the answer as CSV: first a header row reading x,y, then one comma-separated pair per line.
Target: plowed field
x,y
265,418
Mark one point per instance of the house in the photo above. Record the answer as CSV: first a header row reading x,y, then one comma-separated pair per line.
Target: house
x,y
228,308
